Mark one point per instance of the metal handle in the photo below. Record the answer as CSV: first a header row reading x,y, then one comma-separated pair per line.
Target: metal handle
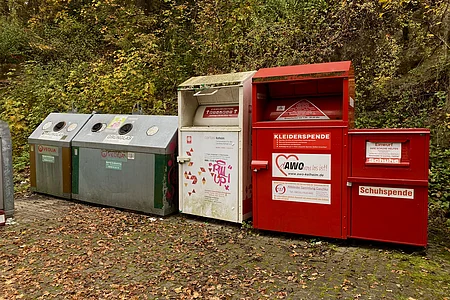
x,y
257,165
200,93
182,160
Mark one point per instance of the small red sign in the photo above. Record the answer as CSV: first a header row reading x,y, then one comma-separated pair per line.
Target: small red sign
x,y
221,112
302,140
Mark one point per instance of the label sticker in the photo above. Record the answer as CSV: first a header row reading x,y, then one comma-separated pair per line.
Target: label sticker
x,y
301,192
352,102
118,139
48,159
210,179
113,155
54,136
302,140
303,110
114,165
383,153
307,166
387,192
130,155
48,150
281,108
261,96
221,112
2,219
117,122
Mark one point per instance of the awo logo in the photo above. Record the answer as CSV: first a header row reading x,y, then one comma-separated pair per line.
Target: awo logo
x,y
289,162
310,166
48,150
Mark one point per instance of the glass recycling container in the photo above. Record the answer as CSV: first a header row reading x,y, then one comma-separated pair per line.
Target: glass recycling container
x,y
300,121
214,146
127,161
50,153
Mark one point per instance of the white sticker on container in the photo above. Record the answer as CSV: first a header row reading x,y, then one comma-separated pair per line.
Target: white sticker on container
x,y
116,122
2,219
306,166
301,192
48,135
130,155
118,139
383,153
387,192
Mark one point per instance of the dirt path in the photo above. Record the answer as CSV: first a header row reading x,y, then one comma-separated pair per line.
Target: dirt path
x,y
62,249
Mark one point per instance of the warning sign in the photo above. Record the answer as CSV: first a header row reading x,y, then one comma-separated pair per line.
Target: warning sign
x,y
303,110
221,112
305,140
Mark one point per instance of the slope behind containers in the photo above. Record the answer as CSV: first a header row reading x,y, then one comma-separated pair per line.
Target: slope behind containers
x,y
127,161
214,146
50,154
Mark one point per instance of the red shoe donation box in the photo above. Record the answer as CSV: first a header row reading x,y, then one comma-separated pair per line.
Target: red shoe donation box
x,y
389,185
315,175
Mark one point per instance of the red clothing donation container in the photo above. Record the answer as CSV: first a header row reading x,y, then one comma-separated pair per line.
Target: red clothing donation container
x,y
300,121
389,185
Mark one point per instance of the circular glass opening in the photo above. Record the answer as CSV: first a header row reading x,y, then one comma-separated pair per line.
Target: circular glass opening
x,y
98,127
72,127
152,130
59,126
125,128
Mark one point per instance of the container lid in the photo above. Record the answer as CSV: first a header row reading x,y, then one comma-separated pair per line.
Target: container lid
x,y
138,133
300,72
201,82
58,129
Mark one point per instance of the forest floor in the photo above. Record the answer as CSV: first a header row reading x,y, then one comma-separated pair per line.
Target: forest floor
x,y
55,248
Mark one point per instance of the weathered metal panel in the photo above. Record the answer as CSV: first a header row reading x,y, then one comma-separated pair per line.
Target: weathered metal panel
x,y
50,154
7,183
134,170
148,134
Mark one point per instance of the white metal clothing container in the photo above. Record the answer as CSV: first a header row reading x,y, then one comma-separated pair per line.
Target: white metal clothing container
x,y
214,121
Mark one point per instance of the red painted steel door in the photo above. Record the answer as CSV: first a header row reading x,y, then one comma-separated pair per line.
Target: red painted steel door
x,y
389,177
301,189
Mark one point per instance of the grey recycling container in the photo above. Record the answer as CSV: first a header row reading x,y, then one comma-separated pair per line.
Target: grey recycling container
x,y
6,172
50,153
127,161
